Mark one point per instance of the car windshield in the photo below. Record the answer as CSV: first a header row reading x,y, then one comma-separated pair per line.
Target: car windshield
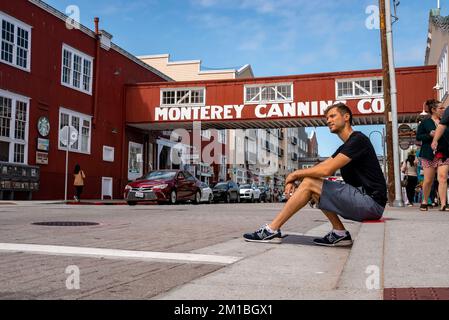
x,y
221,186
245,186
160,175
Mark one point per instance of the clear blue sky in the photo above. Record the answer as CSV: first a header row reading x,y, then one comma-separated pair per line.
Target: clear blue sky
x,y
277,37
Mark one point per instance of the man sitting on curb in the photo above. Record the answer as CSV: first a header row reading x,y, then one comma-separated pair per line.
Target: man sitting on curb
x,y
363,196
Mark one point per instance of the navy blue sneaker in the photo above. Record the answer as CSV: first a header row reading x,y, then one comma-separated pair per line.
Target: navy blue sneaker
x,y
263,235
333,240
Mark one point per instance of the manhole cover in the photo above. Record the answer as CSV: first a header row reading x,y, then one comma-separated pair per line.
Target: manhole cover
x,y
66,223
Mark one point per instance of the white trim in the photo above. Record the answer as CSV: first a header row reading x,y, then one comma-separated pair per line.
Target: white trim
x,y
82,117
442,73
184,62
12,129
354,97
84,57
260,85
176,89
22,25
111,150
103,194
154,56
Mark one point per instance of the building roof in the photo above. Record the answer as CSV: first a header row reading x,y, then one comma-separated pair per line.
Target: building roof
x,y
41,4
440,22
201,69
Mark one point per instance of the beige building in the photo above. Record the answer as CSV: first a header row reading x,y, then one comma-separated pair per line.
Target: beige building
x,y
192,69
437,52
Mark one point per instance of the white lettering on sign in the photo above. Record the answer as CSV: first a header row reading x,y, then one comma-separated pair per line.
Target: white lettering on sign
x,y
261,111
366,106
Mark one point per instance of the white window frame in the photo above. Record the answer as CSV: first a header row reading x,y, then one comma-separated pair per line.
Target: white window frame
x,y
442,73
12,130
133,175
175,90
17,24
84,57
108,154
264,86
82,117
370,94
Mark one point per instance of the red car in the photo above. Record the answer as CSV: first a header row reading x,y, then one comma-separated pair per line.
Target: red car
x,y
164,186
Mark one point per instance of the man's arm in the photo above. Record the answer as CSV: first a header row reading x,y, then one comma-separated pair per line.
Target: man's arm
x,y
438,134
323,169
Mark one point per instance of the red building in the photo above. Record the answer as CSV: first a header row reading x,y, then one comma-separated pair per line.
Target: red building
x,y
66,75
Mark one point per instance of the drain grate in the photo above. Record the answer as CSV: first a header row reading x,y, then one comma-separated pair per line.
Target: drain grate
x,y
66,223
416,294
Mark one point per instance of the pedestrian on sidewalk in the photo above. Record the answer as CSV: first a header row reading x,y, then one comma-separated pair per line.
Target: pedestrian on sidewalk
x,y
409,169
362,197
433,162
78,182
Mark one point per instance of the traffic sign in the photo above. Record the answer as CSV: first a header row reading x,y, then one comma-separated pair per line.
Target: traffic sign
x,y
64,132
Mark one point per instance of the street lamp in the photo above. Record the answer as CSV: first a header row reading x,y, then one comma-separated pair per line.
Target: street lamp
x,y
382,135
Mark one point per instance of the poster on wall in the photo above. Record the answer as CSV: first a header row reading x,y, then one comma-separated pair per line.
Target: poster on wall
x,y
41,157
43,144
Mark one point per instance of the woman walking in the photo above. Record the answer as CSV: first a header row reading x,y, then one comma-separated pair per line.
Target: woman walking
x,y
430,162
409,169
78,182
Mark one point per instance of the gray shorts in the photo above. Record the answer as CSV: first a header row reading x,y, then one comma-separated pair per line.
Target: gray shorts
x,y
349,202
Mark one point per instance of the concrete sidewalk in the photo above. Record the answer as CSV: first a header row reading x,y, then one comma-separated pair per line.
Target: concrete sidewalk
x,y
403,251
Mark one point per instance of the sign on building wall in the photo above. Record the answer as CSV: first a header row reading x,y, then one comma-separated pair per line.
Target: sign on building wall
x,y
41,157
260,111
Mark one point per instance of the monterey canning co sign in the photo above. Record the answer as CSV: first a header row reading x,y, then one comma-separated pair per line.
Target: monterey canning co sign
x,y
262,111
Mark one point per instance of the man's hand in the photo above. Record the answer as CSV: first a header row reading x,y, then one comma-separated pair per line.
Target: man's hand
x,y
289,190
291,178
434,145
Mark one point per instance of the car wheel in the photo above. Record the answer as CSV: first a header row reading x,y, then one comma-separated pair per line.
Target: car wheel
x,y
211,198
131,203
197,197
173,197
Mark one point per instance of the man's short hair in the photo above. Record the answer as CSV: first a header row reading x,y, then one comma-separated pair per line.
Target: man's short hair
x,y
342,108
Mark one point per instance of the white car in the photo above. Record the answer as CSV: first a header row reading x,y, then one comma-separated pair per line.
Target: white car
x,y
249,193
206,193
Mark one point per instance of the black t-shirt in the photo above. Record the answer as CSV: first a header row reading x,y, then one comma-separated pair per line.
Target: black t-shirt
x,y
445,119
364,169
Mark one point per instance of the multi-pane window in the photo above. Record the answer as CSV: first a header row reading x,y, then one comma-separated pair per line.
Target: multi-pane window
x,y
80,128
13,127
15,42
76,69
183,97
269,93
442,73
357,88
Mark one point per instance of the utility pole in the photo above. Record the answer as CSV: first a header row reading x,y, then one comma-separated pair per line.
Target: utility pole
x,y
390,100
387,102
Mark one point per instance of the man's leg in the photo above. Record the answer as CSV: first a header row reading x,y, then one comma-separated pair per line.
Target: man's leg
x,y
309,187
335,220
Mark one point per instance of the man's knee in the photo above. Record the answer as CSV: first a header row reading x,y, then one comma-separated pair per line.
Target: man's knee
x,y
312,184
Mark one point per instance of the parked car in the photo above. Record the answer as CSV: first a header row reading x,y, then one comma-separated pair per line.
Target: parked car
x,y
249,193
265,194
164,186
206,193
226,191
